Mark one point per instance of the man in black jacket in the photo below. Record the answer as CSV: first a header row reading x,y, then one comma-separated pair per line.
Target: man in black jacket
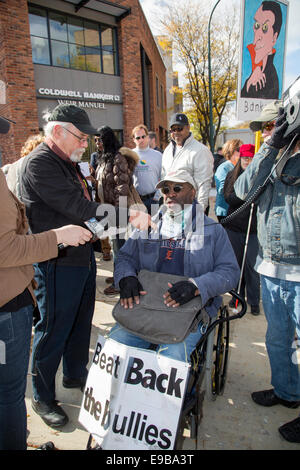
x,y
55,194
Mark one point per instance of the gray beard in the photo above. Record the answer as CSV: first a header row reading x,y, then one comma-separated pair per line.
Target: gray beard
x,y
76,156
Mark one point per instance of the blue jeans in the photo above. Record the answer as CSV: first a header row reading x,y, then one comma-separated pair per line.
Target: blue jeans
x,y
178,351
281,301
66,300
15,334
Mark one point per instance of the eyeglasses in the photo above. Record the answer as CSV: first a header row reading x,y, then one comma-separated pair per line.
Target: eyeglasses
x,y
140,137
268,126
98,139
176,129
83,140
177,188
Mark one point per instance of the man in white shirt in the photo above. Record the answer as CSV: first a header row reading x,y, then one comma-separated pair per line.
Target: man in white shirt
x,y
147,172
184,152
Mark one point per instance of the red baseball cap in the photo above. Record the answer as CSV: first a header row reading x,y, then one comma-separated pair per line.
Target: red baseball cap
x,y
247,150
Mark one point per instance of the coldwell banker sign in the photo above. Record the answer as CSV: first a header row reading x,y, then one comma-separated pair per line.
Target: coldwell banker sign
x,y
133,398
83,99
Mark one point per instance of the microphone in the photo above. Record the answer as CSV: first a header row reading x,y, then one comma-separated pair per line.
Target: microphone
x,y
94,226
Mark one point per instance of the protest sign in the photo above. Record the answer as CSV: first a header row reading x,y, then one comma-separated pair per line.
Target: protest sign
x,y
133,397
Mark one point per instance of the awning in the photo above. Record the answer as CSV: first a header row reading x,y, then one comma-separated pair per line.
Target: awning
x,y
103,6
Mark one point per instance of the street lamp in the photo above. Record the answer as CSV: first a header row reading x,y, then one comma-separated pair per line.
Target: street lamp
x,y
211,126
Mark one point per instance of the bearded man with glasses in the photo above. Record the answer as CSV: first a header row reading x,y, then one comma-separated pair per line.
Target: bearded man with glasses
x,y
184,152
56,193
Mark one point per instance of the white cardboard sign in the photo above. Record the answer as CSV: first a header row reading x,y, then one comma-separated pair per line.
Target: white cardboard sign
x,y
133,397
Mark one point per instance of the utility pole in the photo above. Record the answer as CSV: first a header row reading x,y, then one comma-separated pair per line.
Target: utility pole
x,y
211,125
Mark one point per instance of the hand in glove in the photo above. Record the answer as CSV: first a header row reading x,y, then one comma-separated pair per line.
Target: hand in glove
x,y
130,291
180,293
276,140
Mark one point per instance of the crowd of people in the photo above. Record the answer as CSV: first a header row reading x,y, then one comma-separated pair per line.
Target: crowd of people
x,y
47,255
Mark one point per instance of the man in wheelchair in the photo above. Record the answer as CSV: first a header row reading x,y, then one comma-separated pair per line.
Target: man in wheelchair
x,y
186,243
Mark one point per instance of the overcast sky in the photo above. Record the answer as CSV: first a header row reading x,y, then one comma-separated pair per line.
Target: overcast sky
x,y
154,9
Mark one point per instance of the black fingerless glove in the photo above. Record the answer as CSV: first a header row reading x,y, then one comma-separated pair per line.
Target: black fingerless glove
x,y
182,292
130,287
276,140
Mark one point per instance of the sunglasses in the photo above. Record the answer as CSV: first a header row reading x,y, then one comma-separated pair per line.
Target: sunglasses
x,y
98,139
268,126
176,129
166,190
140,137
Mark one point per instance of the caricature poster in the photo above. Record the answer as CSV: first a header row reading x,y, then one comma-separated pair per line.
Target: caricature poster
x,y
263,42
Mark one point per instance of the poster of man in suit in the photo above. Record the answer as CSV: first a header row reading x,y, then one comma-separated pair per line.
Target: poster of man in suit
x,y
262,55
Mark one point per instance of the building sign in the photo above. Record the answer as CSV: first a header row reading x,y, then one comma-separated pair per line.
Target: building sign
x,y
85,95
133,397
262,51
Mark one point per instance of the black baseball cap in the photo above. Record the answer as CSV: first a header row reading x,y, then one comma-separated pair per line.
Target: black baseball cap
x,y
4,125
75,115
179,119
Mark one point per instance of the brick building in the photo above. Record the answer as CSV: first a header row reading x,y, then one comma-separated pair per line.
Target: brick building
x,y
99,55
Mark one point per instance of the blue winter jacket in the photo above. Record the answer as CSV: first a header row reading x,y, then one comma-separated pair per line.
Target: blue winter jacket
x,y
210,261
278,212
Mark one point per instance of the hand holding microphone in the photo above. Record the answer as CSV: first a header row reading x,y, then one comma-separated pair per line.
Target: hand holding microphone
x,y
72,235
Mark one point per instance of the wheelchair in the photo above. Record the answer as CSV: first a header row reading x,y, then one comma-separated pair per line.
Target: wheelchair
x,y
207,376
209,364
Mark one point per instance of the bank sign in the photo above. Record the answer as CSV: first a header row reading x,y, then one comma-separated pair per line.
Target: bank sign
x,y
262,55
83,99
133,397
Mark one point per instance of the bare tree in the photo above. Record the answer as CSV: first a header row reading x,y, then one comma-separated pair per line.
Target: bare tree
x,y
186,25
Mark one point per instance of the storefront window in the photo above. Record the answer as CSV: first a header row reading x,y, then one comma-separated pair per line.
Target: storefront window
x,y
75,31
40,50
60,54
38,22
58,26
64,41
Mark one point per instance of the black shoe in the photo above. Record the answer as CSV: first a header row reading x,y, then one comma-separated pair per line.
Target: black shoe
x,y
255,309
74,383
268,398
291,431
47,446
51,413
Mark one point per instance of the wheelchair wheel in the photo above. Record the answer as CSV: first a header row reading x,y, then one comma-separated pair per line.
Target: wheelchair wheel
x,y
218,358
222,351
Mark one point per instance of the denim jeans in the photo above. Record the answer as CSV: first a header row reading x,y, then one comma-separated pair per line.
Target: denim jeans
x,y
15,334
281,302
178,351
66,300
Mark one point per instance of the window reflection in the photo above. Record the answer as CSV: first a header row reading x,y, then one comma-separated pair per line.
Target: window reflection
x,y
58,26
38,23
65,41
75,31
60,54
91,34
77,57
40,51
